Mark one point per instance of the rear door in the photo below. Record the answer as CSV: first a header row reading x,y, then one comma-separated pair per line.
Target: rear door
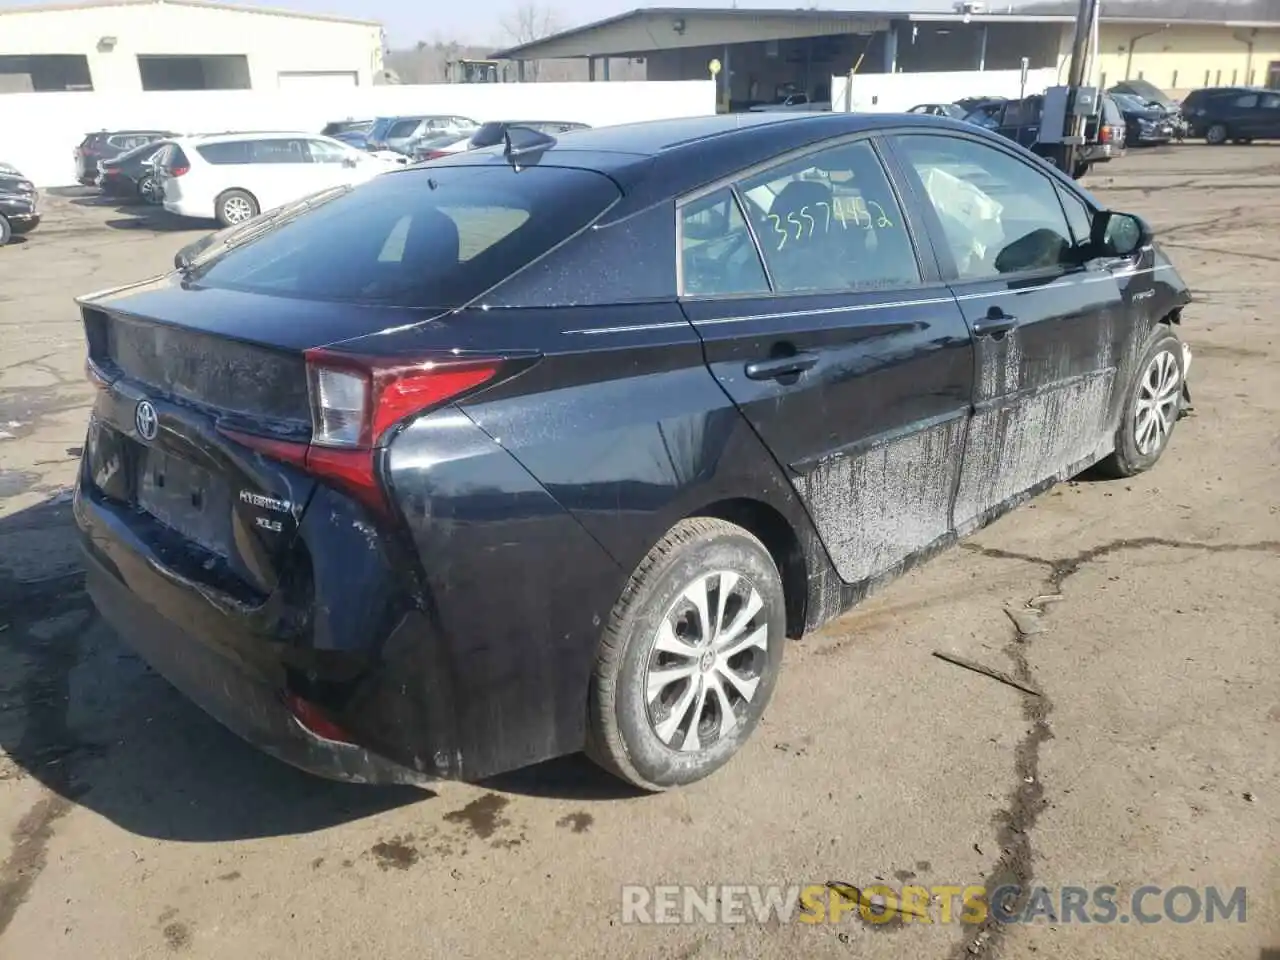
x,y
826,324
1046,327
1267,123
280,170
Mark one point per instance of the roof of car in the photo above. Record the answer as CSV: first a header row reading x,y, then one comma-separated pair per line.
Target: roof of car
x,y
658,159
250,135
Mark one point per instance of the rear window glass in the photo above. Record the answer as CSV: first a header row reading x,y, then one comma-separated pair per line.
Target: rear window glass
x,y
422,238
402,128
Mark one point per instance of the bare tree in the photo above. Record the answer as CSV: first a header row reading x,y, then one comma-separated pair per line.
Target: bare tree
x,y
526,23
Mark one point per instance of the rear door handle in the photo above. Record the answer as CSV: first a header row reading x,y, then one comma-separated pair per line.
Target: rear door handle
x,y
781,366
994,325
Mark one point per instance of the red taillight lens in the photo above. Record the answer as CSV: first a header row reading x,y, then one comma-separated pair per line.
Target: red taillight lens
x,y
313,720
435,154
178,170
356,401
1104,135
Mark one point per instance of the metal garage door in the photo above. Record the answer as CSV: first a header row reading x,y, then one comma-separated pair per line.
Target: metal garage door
x,y
293,81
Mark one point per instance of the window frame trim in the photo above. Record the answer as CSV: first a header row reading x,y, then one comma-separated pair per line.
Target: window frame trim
x,y
928,268
949,272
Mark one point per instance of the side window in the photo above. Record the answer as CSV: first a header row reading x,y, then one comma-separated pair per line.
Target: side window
x,y
278,151
998,214
229,151
402,128
830,221
1079,216
717,255
322,152
1270,101
1245,102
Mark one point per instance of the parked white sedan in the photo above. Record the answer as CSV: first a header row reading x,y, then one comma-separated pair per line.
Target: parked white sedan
x,y
232,177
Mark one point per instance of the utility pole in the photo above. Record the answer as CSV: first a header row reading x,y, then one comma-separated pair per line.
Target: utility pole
x,y
1086,23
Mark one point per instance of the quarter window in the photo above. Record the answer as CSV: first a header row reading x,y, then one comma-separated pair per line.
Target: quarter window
x,y
718,257
322,152
998,215
829,221
1079,216
1246,102
1270,101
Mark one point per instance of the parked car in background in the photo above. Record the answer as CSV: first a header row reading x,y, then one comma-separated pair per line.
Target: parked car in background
x,y
1145,122
19,207
983,113
494,132
1236,116
432,147
132,175
232,177
483,463
952,110
336,127
105,145
396,133
1147,92
1155,98
1020,121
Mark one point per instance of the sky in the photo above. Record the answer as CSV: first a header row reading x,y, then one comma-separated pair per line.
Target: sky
x,y
480,21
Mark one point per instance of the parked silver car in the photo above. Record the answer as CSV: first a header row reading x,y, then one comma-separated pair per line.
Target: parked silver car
x,y
398,133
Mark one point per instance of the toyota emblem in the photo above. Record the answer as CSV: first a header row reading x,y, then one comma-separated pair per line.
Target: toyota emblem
x,y
146,420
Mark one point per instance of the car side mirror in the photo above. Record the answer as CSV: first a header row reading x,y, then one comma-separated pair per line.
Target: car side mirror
x,y
1119,234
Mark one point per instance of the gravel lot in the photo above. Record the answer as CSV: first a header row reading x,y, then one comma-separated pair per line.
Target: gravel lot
x,y
133,826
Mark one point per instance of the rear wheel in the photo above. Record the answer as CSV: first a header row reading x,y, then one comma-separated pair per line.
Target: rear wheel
x,y
1216,134
1152,408
689,658
147,191
236,206
6,231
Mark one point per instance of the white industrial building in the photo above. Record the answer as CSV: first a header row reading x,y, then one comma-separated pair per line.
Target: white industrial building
x,y
121,46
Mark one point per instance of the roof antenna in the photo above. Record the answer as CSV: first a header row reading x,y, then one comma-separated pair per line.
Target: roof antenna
x,y
531,142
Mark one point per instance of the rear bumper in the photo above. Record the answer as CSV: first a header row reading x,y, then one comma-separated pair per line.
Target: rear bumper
x,y
184,208
228,672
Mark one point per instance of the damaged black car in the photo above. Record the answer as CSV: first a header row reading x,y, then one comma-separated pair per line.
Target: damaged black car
x,y
556,445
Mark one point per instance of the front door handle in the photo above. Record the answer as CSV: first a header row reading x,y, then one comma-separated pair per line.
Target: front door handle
x,y
995,324
777,367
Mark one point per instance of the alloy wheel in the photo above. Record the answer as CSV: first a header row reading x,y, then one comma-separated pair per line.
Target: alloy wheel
x,y
236,210
1156,410
706,662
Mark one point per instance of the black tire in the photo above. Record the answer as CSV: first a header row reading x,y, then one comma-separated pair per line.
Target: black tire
x,y
1216,134
6,231
229,204
622,734
1079,170
1130,457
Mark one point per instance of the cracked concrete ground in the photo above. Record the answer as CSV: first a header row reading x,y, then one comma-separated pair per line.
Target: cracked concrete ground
x,y
133,826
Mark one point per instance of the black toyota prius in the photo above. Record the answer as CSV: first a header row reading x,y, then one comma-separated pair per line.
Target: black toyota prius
x,y
554,446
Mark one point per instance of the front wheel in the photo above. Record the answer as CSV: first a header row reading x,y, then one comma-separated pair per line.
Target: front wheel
x,y
1216,134
1152,409
147,190
236,206
689,658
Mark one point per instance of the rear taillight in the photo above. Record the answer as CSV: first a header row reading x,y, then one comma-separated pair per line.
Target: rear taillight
x,y
1104,135
357,402
178,170
434,154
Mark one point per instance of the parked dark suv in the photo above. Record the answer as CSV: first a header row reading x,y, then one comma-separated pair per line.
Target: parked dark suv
x,y
105,145
554,446
1020,121
1239,116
